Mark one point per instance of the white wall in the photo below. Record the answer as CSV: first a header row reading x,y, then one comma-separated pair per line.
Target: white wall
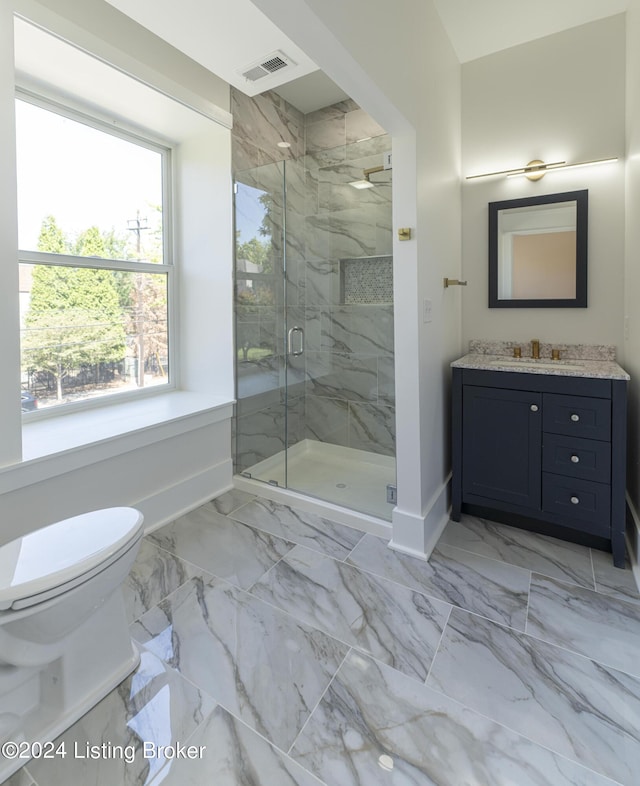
x,y
396,61
632,268
10,443
560,98
120,40
164,454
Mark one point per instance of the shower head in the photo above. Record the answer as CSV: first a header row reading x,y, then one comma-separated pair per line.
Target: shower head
x,y
366,182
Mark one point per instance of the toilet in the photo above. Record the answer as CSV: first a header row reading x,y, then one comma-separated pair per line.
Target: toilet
x,y
64,635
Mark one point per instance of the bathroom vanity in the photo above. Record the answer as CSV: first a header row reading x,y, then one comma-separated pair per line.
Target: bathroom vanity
x,y
541,444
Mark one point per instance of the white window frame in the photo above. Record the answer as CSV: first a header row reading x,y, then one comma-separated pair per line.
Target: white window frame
x,y
93,118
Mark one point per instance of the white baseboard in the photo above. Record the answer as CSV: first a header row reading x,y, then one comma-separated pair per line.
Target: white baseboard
x,y
166,505
417,535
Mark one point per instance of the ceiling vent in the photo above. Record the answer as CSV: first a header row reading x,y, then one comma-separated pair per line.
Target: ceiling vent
x,y
276,61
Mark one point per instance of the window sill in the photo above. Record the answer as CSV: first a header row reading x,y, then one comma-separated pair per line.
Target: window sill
x,y
61,444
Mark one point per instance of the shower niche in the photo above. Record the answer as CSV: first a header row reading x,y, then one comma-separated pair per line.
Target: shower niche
x,y
366,280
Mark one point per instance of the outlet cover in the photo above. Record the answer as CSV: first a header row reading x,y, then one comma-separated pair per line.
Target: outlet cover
x,y
427,311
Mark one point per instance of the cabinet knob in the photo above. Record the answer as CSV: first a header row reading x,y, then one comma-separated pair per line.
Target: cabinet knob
x,y
575,459
575,418
534,407
575,500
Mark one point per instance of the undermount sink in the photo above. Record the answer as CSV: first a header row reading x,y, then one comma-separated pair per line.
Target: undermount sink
x,y
534,363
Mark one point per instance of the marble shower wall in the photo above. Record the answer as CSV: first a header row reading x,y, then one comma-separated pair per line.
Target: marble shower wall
x,y
349,368
342,389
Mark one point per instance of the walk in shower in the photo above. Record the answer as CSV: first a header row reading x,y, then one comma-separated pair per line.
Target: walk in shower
x,y
314,318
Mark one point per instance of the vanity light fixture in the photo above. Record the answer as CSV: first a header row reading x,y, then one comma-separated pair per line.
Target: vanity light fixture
x,y
536,169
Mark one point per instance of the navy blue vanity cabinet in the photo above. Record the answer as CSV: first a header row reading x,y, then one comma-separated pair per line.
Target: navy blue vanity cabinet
x,y
542,452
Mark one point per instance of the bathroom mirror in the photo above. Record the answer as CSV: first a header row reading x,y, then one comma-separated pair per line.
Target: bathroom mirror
x,y
538,251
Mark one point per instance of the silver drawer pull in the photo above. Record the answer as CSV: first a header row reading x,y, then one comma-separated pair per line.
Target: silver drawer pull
x,y
575,459
534,407
574,500
575,418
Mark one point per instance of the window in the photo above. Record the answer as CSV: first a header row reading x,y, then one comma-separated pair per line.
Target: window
x,y
95,257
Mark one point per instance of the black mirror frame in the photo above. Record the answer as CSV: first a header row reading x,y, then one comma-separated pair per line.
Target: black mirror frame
x,y
582,219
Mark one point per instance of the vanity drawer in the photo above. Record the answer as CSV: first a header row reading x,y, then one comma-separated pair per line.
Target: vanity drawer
x,y
578,502
577,416
577,458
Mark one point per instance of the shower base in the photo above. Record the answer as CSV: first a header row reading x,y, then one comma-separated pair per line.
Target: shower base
x,y
339,476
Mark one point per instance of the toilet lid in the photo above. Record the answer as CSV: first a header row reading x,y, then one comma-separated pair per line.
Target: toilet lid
x,y
64,552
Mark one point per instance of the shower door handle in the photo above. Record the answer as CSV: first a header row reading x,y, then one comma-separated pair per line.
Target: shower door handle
x,y
293,331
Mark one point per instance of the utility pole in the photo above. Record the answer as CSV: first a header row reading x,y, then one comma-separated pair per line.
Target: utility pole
x,y
138,225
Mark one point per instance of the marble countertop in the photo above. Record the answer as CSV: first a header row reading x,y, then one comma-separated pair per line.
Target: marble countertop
x,y
597,369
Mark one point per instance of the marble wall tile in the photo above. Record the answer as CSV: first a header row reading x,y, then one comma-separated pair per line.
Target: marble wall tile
x,y
245,155
260,664
221,546
614,581
346,377
326,134
549,556
602,628
265,120
372,427
269,397
327,420
155,574
322,282
318,158
386,381
328,112
359,125
487,587
384,230
259,436
154,705
234,756
360,329
372,711
345,233
368,147
301,527
394,624
563,701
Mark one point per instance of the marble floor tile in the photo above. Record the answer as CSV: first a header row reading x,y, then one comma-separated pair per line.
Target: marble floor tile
x,y
394,624
306,529
230,500
259,663
558,559
375,727
600,627
563,701
234,755
613,581
155,574
154,705
488,587
221,546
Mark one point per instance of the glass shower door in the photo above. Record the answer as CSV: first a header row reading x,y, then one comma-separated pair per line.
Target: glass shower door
x,y
260,335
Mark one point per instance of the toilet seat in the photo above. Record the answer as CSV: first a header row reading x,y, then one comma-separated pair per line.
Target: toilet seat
x,y
56,558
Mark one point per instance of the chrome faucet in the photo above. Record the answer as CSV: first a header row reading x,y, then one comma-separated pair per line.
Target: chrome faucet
x,y
535,348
